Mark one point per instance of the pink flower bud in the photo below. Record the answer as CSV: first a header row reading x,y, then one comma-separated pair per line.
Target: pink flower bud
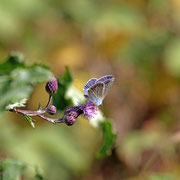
x,y
52,86
51,109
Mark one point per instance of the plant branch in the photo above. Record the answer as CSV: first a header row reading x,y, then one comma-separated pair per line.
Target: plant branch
x,y
28,112
60,120
38,113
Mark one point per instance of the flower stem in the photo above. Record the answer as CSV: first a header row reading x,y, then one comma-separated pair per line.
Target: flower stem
x,y
49,101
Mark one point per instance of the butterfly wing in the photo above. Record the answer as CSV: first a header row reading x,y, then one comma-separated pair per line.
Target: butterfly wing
x,y
108,80
105,78
108,83
95,90
96,93
89,84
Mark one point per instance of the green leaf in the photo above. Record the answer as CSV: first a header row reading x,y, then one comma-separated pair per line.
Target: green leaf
x,y
59,99
17,80
108,139
29,119
11,169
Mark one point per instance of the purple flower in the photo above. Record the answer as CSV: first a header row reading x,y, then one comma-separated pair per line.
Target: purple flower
x,y
51,109
52,86
89,109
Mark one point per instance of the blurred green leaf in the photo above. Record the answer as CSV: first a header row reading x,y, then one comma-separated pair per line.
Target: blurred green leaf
x,y
14,13
172,57
38,175
159,6
17,80
11,169
81,11
161,177
119,17
108,139
17,170
136,142
144,51
14,60
59,99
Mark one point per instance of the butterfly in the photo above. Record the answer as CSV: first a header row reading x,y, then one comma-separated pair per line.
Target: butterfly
x,y
95,90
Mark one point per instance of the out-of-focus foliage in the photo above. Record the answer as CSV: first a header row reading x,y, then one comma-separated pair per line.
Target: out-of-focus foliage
x,y
135,40
172,56
17,80
11,169
161,177
14,170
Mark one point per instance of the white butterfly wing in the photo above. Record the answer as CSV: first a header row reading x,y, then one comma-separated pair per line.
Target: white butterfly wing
x,y
95,90
108,83
96,93
108,80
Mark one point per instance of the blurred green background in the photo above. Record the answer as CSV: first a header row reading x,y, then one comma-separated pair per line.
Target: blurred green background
x,y
137,41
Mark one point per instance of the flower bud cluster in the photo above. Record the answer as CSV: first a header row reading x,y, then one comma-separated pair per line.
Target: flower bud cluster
x,y
71,114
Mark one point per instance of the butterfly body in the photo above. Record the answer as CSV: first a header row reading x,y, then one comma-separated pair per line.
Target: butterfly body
x,y
95,90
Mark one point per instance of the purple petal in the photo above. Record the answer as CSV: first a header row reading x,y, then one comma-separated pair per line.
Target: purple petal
x,y
90,110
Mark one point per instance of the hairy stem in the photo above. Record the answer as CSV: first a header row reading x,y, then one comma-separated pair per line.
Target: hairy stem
x,y
49,101
60,120
29,112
